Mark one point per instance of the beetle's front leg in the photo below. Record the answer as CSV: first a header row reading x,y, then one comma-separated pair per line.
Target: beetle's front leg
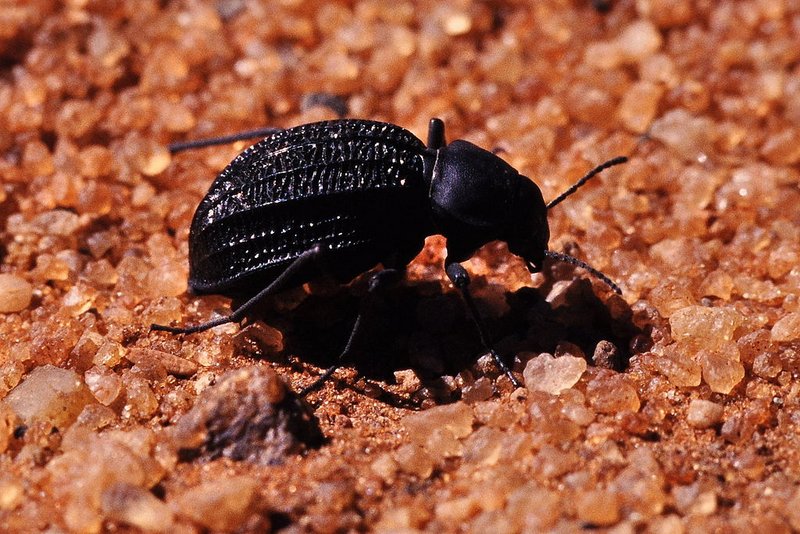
x,y
460,278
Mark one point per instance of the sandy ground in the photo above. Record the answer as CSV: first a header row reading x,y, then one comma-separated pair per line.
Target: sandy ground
x,y
671,408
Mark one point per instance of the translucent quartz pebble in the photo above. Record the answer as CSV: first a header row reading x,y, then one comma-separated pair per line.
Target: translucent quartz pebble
x,y
137,507
15,293
553,375
703,327
787,328
220,504
703,413
49,394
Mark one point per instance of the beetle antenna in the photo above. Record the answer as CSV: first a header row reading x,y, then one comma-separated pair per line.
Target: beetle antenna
x,y
180,146
583,265
589,175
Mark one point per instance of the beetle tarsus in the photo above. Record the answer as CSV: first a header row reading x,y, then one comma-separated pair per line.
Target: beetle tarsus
x,y
319,382
191,329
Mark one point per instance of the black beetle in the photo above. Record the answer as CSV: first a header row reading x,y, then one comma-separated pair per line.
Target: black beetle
x,y
339,197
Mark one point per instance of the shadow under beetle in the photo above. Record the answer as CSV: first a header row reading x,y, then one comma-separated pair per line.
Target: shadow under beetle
x,y
339,197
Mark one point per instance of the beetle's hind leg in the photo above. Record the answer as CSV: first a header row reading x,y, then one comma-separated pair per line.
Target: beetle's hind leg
x,y
460,278
378,281
280,283
180,146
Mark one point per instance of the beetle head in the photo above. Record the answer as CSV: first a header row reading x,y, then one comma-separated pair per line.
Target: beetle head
x,y
476,197
528,231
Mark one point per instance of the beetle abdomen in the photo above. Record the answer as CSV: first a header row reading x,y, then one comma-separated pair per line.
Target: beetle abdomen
x,y
355,186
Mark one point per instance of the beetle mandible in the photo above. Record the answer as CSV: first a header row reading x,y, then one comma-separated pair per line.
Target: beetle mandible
x,y
340,197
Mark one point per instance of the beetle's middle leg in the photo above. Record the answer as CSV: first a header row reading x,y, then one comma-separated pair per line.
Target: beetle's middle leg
x,y
460,278
280,283
378,281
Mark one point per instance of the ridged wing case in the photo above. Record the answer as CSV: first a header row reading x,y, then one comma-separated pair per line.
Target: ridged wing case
x,y
355,186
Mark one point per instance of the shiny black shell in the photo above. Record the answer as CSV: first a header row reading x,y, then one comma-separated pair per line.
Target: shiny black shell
x,y
357,187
